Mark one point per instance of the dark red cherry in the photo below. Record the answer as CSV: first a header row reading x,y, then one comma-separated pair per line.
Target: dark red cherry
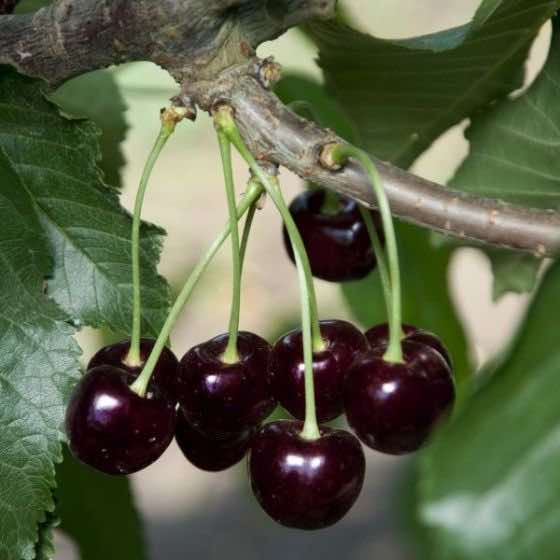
x,y
394,407
220,398
337,244
378,336
115,355
301,483
287,370
210,453
111,428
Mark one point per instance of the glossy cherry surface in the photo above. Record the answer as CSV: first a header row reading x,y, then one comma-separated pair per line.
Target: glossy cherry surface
x,y
394,407
378,336
115,355
222,398
337,244
111,428
342,341
301,483
211,453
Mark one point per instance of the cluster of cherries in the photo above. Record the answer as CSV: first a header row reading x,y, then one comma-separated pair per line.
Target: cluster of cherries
x,y
215,409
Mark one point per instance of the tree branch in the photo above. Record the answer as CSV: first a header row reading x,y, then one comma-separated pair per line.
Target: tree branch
x,y
274,133
208,46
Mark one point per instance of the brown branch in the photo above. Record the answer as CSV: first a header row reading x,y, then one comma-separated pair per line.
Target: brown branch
x,y
275,133
208,45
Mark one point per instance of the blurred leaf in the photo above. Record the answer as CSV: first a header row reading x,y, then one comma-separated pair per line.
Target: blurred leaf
x,y
426,302
25,6
402,95
513,272
98,513
96,96
490,480
38,366
88,230
514,146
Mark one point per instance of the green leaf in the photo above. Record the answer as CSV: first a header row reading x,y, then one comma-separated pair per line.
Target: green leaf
x,y
426,302
490,480
97,97
98,513
402,95
38,366
514,146
89,233
513,272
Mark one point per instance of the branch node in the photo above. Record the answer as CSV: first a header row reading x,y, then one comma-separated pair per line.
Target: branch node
x,y
327,159
268,72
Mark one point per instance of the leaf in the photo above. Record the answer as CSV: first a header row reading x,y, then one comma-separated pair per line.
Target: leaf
x,y
97,97
402,95
491,479
38,366
98,512
513,272
89,233
426,302
514,146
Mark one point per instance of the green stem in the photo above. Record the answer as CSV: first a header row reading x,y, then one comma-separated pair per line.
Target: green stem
x,y
312,340
379,256
231,355
340,153
133,357
247,230
141,384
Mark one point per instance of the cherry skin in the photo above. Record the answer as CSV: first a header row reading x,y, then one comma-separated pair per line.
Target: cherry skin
x,y
115,355
378,336
209,453
302,483
114,430
221,398
330,366
394,407
337,244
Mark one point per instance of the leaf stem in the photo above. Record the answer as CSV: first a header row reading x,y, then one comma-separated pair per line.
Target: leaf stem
x,y
231,355
133,357
339,155
141,383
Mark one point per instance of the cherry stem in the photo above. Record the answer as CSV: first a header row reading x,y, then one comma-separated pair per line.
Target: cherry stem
x,y
247,227
339,154
133,358
379,256
141,384
312,341
231,355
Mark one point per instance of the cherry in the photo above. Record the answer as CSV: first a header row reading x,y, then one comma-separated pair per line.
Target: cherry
x,y
115,355
337,244
378,336
221,398
306,484
287,370
211,453
114,430
393,407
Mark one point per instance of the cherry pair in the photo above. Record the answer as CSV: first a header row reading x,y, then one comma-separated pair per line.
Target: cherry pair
x,y
115,430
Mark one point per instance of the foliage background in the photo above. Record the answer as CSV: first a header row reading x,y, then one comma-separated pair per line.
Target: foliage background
x,y
192,514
